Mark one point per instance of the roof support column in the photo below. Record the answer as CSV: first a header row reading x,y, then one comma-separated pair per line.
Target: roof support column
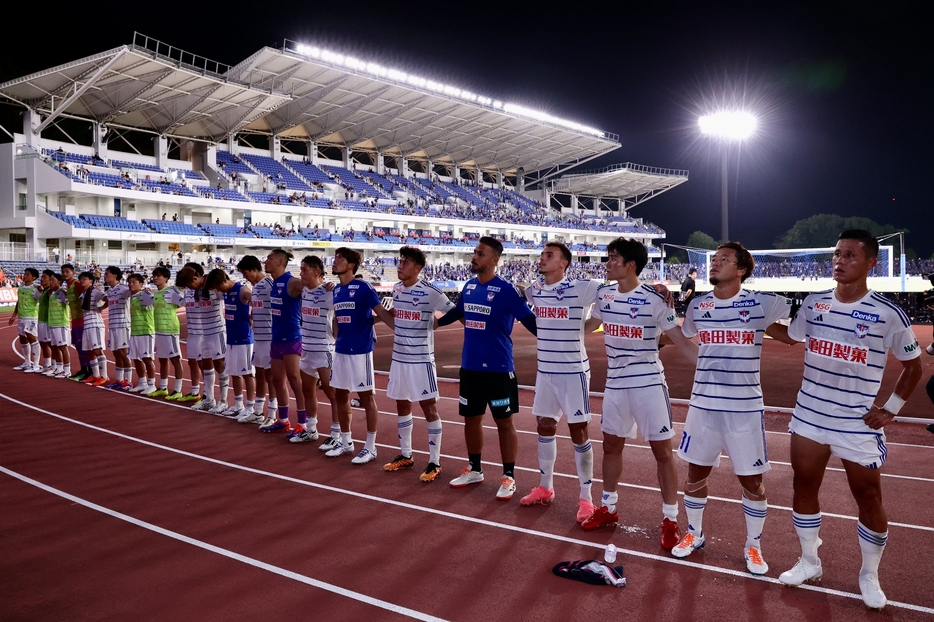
x,y
347,157
161,149
312,152
456,174
380,169
31,121
499,179
275,148
574,205
430,169
232,144
621,204
404,166
100,140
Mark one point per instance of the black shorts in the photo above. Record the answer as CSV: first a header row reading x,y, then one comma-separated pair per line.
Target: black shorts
x,y
498,390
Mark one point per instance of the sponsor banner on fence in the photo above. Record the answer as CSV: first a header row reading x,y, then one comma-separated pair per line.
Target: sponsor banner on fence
x,y
8,296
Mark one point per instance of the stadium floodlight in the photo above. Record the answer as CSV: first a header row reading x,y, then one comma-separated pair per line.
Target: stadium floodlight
x,y
727,126
379,71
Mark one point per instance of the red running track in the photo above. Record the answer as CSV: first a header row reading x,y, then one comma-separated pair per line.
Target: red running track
x,y
115,506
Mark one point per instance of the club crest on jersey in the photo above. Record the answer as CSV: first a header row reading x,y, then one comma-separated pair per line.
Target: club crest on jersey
x,y
633,312
744,317
559,293
862,330
352,292
490,296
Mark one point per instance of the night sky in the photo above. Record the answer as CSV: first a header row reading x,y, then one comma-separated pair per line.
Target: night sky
x,y
843,90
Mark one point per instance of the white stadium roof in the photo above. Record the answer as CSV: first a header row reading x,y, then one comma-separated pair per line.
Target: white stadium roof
x,y
633,182
305,93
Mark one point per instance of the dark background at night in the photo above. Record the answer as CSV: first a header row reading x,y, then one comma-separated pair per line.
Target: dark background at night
x,y
843,90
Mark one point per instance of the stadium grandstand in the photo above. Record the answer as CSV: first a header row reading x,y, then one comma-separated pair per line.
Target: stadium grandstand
x,y
302,148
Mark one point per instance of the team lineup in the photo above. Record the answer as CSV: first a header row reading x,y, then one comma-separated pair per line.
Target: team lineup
x,y
275,336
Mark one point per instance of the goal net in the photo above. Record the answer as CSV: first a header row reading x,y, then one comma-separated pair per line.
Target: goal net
x,y
803,264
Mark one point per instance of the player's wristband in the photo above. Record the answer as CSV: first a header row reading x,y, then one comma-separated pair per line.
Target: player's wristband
x,y
894,404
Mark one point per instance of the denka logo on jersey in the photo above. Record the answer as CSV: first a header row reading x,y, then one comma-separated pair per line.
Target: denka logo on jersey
x,y
838,351
868,317
706,305
341,306
475,324
474,308
312,311
623,331
822,307
551,313
493,288
636,301
727,337
413,316
744,303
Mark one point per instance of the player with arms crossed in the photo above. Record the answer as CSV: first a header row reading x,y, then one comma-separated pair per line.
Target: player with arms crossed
x,y
26,316
355,303
412,374
488,307
634,317
847,332
726,410
562,384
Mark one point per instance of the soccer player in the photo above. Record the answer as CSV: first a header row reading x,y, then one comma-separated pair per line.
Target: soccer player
x,y
26,316
59,327
118,333
488,307
355,303
252,270
142,334
412,374
73,290
847,332
166,302
193,314
42,297
285,351
93,300
562,384
209,318
239,338
634,317
726,411
317,350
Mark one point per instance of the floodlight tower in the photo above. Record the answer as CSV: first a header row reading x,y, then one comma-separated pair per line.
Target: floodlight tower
x,y
727,126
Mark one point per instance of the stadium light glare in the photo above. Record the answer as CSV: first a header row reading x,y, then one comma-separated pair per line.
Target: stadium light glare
x,y
379,71
729,125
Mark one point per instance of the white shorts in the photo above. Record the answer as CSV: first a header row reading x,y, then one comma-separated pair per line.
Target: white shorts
x,y
27,326
645,408
261,354
93,338
239,360
311,362
867,450
193,347
167,346
567,394
142,347
213,346
353,372
118,339
742,435
43,332
412,382
60,335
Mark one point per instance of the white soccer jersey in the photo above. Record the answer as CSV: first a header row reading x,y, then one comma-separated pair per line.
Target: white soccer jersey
x,y
632,324
317,320
193,312
560,312
414,311
92,314
845,354
730,334
262,318
118,305
212,314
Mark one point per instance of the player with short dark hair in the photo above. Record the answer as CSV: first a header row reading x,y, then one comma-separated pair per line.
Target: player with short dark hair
x,y
118,332
239,339
261,315
73,290
142,334
59,327
166,302
847,333
489,306
93,339
26,315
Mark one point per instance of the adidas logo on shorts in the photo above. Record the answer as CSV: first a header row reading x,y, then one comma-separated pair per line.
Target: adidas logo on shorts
x,y
757,463
425,392
664,429
360,385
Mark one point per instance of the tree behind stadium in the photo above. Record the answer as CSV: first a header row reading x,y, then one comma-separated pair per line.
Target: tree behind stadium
x,y
822,230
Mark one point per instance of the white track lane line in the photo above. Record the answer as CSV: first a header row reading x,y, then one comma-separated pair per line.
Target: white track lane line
x,y
458,517
250,561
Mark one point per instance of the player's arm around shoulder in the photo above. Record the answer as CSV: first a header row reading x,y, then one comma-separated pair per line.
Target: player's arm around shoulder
x,y
295,287
385,315
246,294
